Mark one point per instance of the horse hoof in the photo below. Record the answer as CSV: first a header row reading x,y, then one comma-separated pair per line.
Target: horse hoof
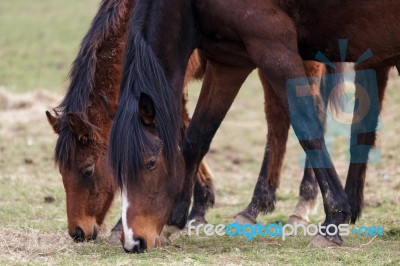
x,y
320,241
293,220
168,234
241,219
115,237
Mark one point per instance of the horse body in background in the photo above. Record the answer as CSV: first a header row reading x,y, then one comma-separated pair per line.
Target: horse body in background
x,y
235,37
317,27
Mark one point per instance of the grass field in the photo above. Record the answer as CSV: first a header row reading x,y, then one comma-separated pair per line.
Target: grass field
x,y
38,41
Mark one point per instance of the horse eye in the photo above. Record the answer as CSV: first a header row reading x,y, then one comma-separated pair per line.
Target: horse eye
x,y
88,171
152,164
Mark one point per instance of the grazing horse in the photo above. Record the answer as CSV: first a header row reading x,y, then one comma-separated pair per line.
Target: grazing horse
x,y
236,36
83,121
101,56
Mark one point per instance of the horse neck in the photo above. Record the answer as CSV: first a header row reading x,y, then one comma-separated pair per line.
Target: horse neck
x,y
102,46
159,44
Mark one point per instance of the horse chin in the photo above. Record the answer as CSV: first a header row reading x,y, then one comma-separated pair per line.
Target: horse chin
x,y
141,242
84,231
79,235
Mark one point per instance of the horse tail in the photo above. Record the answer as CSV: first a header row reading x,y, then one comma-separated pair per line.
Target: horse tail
x,y
332,96
142,75
106,23
196,67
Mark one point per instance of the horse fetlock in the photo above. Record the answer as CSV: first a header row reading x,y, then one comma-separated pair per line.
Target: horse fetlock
x,y
309,190
268,207
356,211
345,213
356,206
303,208
312,205
337,218
338,210
198,214
203,196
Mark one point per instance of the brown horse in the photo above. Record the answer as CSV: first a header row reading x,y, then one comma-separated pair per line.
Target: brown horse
x,y
83,121
88,201
237,36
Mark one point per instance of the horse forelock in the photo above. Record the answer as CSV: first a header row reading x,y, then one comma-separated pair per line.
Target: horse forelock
x,y
142,74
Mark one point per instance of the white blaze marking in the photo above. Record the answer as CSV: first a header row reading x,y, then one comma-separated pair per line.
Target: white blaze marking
x,y
129,242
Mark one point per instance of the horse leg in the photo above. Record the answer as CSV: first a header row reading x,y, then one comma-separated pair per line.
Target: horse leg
x,y
203,194
213,104
363,136
307,197
264,198
308,193
274,51
309,185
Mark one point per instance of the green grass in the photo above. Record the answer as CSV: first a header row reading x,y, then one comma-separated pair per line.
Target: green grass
x,y
38,42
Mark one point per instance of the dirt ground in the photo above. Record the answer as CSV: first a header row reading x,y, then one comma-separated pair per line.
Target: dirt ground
x,y
32,199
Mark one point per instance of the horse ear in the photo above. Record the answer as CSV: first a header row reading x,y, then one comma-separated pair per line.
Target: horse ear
x,y
78,127
147,110
53,121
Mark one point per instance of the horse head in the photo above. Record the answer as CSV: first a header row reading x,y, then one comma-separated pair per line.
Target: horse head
x,y
81,154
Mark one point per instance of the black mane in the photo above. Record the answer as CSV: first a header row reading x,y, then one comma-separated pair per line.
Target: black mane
x,y
142,74
82,75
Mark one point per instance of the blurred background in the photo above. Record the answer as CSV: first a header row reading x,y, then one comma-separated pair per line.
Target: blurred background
x,y
38,41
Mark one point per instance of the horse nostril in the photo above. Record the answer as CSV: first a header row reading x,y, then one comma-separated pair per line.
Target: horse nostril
x,y
140,245
78,235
